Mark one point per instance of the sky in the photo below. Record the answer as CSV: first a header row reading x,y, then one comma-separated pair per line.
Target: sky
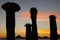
x,y
45,9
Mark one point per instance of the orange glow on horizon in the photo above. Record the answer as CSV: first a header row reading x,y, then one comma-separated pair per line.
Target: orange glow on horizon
x,y
22,33
41,33
41,17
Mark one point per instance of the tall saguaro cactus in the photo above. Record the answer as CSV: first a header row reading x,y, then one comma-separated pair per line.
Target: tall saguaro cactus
x,y
10,9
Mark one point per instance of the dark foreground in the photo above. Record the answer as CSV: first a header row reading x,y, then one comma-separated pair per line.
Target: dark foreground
x,y
24,39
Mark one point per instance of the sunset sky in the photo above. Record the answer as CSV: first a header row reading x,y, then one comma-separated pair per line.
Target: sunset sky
x,y
45,9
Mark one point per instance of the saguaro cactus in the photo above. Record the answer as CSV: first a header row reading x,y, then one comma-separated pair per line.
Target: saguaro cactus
x,y
10,9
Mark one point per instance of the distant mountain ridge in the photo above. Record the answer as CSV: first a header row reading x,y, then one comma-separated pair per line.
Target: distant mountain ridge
x,y
20,37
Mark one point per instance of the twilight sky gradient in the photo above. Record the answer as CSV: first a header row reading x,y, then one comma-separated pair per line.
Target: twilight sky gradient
x,y
45,8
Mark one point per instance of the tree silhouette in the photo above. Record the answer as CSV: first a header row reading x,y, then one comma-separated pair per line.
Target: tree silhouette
x,y
10,9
